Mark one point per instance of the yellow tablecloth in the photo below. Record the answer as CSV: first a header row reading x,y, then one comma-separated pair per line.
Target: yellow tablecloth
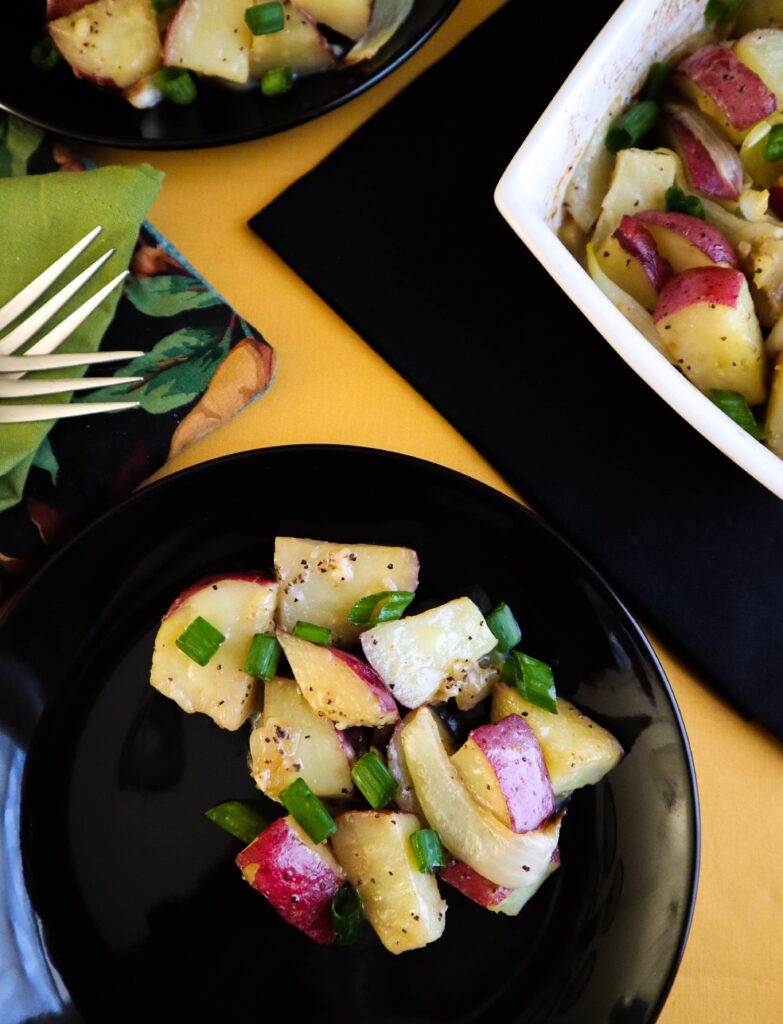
x,y
331,387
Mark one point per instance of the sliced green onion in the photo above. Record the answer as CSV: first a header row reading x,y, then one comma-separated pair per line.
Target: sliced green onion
x,y
45,55
263,656
657,78
773,147
505,627
347,916
721,11
737,409
265,18
633,125
535,682
276,81
301,802
237,819
176,85
159,6
382,607
678,201
373,780
427,850
315,634
200,641
506,666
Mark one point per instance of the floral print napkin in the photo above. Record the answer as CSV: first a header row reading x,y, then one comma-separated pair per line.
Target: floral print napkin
x,y
202,364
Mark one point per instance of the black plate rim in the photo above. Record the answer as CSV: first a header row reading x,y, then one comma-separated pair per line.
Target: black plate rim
x,y
233,137
609,593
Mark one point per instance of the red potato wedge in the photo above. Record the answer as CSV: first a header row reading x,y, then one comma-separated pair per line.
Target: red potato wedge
x,y
300,46
708,325
350,18
466,828
238,606
762,51
725,89
321,581
297,876
113,43
639,182
578,752
417,655
291,741
711,163
210,37
503,767
687,242
631,259
338,685
493,897
401,903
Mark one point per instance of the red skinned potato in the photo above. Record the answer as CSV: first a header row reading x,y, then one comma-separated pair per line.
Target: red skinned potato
x,y
493,897
338,685
504,769
59,8
711,162
631,259
686,241
725,89
708,325
210,37
300,46
297,876
239,606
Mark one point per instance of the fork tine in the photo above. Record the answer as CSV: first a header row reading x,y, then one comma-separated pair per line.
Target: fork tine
x,y
66,327
58,411
10,364
27,328
32,388
27,296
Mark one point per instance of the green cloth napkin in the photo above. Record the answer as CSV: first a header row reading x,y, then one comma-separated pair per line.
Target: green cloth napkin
x,y
41,216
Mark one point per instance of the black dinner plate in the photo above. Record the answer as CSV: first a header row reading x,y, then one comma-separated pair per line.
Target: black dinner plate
x,y
60,102
120,900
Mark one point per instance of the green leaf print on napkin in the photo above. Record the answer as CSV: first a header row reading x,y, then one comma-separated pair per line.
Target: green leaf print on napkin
x,y
169,294
175,371
19,141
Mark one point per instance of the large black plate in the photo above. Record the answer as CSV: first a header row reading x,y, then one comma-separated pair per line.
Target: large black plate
x,y
122,900
62,103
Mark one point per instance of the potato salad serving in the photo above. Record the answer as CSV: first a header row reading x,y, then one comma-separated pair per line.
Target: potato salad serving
x,y
356,706
677,208
149,50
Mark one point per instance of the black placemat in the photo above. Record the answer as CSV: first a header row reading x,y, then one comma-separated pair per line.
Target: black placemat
x,y
398,231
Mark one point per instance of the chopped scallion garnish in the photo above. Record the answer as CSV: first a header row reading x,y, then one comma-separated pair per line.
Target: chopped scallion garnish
x,y
302,803
44,55
276,81
374,780
347,916
265,18
381,607
200,641
678,201
176,85
237,819
263,656
737,409
657,77
773,147
535,681
315,634
427,850
721,11
632,126
505,627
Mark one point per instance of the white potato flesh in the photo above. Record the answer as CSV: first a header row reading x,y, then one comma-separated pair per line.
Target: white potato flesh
x,y
417,655
639,182
468,830
773,424
212,38
578,752
519,898
299,46
321,581
238,608
291,741
349,17
405,797
112,42
401,903
762,52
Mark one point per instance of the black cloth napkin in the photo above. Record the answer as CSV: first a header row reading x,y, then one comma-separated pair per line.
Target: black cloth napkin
x,y
398,231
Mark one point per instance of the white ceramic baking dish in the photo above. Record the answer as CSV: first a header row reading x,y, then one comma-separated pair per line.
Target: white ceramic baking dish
x,y
531,192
